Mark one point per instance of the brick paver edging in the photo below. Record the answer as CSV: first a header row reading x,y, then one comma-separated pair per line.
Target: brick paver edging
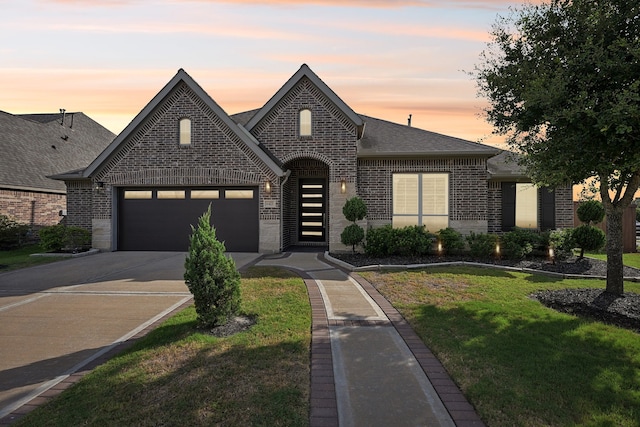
x,y
462,412
76,376
323,404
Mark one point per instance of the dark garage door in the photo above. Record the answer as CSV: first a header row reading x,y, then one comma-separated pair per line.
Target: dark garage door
x,y
160,219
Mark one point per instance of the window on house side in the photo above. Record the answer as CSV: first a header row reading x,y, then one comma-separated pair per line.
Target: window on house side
x,y
526,206
421,199
305,122
185,131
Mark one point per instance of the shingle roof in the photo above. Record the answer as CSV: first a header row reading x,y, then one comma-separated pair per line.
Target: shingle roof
x,y
244,117
505,166
34,146
386,139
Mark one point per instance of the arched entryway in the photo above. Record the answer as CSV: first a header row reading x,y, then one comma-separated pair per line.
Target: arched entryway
x,y
305,204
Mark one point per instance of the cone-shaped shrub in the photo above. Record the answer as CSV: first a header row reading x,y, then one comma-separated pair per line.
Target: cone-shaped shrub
x,y
212,277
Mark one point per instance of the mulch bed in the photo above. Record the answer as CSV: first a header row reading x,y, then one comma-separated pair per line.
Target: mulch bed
x,y
622,311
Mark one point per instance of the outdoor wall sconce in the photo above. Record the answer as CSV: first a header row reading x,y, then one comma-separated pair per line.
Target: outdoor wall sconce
x,y
267,187
99,186
343,186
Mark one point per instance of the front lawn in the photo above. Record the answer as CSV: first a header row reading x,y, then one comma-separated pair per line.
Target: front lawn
x,y
177,376
630,259
518,362
21,258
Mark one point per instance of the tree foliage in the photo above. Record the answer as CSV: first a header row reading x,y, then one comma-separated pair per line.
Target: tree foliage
x,y
562,80
211,276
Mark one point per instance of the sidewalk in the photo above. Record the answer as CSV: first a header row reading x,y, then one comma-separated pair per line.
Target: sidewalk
x,y
368,367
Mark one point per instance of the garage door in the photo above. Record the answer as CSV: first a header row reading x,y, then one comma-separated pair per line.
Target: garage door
x,y
160,219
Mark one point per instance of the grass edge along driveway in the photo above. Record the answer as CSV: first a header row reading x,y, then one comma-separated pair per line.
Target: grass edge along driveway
x,y
518,362
179,376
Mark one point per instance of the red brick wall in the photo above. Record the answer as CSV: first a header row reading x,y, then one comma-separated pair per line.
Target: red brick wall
x,y
33,208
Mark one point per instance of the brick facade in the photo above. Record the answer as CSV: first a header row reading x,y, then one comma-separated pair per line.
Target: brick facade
x,y
563,207
467,188
222,154
330,152
152,156
31,207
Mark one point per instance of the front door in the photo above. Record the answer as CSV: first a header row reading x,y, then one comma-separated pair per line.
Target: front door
x,y
312,208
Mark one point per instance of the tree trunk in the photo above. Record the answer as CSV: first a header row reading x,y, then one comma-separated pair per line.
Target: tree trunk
x,y
615,271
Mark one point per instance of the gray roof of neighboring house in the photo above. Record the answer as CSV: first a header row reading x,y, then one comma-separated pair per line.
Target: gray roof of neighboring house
x,y
34,146
386,139
505,166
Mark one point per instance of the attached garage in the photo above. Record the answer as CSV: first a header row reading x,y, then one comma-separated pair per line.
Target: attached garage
x,y
160,219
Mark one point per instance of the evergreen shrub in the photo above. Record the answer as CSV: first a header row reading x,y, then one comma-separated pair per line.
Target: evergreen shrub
x,y
211,276
482,245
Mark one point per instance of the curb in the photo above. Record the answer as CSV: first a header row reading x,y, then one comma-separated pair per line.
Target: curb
x,y
92,251
376,267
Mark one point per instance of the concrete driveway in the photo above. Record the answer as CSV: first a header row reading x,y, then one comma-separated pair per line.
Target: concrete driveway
x,y
56,319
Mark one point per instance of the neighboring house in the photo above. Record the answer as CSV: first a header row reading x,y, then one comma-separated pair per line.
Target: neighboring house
x,y
280,175
33,146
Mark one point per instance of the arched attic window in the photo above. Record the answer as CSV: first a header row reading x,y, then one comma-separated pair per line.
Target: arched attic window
x,y
305,122
185,131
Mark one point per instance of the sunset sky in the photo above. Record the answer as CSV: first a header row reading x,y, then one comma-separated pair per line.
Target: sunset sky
x,y
385,58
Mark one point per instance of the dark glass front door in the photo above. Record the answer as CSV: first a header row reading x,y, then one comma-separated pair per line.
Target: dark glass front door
x,y
312,208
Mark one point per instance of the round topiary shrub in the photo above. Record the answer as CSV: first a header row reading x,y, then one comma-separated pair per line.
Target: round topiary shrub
x,y
588,238
352,235
354,209
591,212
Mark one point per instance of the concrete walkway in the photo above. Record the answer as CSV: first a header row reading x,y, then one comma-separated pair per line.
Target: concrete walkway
x,y
368,367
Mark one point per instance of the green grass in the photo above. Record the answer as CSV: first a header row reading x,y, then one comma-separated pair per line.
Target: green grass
x,y
20,258
518,362
180,376
630,259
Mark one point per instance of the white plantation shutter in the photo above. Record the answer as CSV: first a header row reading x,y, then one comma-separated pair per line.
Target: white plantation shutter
x,y
421,199
435,194
405,194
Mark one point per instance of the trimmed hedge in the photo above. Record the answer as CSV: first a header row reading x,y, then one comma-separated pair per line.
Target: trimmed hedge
x,y
56,238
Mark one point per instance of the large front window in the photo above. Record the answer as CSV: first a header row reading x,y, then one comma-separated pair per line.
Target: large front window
x,y
421,199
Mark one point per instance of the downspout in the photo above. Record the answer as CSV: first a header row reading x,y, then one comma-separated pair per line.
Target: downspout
x,y
286,178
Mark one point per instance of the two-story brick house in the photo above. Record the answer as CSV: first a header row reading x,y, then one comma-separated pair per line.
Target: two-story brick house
x,y
280,175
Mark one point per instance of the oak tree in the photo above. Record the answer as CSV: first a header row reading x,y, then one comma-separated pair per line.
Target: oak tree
x,y
563,83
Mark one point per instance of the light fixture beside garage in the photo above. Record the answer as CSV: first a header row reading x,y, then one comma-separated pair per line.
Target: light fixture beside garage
x,y
343,186
267,187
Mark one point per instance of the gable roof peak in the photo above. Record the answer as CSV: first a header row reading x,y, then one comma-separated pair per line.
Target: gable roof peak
x,y
159,98
305,71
